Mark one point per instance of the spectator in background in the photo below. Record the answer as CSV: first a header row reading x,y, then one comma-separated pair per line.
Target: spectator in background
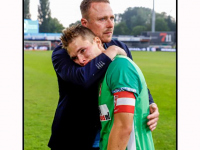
x,y
76,122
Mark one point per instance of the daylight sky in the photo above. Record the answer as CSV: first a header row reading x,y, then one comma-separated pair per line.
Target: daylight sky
x,y
67,11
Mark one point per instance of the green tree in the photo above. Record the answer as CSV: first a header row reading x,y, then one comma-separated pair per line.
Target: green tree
x,y
161,15
136,16
140,16
118,18
55,26
47,24
27,14
164,22
171,23
44,16
138,29
121,28
161,25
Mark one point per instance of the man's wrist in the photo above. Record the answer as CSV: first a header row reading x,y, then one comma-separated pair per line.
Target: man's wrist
x,y
153,104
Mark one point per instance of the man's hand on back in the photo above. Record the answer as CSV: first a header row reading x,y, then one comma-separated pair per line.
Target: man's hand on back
x,y
153,117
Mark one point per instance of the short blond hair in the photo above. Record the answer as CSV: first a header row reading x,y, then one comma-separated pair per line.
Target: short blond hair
x,y
85,6
69,34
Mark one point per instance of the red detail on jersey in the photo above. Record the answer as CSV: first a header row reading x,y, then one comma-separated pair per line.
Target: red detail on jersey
x,y
102,118
124,94
123,108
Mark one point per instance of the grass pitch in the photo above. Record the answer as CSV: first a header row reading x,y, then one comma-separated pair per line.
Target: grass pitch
x,y
41,96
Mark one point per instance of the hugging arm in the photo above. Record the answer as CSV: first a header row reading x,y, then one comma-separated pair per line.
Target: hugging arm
x,y
84,76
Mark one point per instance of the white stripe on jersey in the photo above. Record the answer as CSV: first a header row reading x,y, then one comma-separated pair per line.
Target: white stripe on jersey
x,y
125,101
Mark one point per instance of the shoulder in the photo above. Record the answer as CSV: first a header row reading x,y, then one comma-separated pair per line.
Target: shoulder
x,y
116,42
120,63
59,51
122,75
120,44
122,60
59,54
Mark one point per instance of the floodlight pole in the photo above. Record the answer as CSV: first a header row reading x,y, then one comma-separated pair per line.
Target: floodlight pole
x,y
153,19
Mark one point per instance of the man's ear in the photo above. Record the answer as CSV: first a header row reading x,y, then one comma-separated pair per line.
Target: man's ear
x,y
84,22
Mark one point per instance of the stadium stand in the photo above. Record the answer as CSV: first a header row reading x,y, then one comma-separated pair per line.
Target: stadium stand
x,y
147,41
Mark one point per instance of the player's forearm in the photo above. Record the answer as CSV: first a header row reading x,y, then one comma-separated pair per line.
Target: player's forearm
x,y
83,76
119,137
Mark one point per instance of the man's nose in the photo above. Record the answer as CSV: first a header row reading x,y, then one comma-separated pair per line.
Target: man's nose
x,y
110,23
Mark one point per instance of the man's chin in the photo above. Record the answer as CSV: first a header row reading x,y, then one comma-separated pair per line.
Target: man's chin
x,y
106,40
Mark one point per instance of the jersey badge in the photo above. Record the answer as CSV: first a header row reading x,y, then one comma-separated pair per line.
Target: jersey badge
x,y
104,113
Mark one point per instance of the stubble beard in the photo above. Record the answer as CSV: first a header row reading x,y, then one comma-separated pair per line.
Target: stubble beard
x,y
107,39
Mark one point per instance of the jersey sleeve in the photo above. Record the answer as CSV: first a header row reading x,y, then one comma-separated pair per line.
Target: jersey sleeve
x,y
123,76
124,46
124,102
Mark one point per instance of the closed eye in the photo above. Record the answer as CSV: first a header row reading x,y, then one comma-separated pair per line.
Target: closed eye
x,y
74,58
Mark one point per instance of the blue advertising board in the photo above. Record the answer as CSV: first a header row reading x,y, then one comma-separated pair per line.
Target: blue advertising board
x,y
31,26
42,36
